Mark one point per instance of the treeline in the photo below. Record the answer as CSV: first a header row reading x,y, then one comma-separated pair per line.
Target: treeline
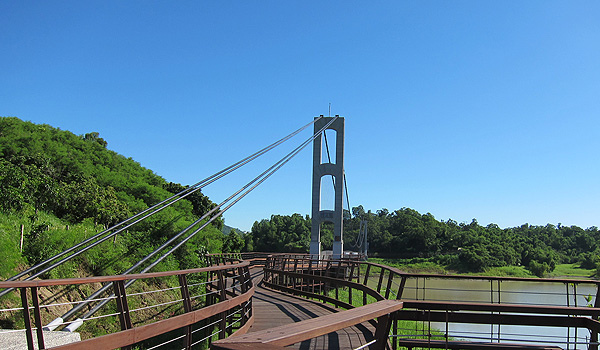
x,y
405,233
63,187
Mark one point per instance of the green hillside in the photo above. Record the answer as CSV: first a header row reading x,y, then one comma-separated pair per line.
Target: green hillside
x,y
62,188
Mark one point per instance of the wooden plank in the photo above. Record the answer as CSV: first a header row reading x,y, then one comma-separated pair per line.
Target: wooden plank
x,y
274,308
307,329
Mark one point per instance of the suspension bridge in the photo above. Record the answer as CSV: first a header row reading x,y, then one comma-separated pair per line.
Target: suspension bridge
x,y
302,301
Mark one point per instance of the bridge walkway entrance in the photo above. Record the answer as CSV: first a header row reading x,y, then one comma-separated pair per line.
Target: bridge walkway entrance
x,y
273,309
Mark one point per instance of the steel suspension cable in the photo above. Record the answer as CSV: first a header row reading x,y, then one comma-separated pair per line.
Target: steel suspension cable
x,y
149,211
259,179
346,189
359,241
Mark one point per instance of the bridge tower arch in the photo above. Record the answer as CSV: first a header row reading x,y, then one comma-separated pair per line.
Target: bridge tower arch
x,y
320,169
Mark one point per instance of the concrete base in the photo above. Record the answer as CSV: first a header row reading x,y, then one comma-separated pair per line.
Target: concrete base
x,y
11,340
338,250
315,249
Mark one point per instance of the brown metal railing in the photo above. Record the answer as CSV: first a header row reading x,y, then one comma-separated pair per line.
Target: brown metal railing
x,y
260,258
196,305
253,258
571,304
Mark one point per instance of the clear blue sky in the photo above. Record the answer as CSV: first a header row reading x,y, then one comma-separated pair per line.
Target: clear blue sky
x,y
464,109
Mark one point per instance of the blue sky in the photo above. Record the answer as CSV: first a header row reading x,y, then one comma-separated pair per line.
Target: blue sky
x,y
464,109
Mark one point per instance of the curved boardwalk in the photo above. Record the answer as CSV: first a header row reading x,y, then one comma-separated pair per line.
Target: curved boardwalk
x,y
273,309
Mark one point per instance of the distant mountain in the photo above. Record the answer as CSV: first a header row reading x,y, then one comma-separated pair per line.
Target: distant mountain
x,y
227,229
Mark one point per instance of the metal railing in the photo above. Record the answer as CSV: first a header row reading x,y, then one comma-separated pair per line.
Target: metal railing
x,y
192,306
260,258
512,309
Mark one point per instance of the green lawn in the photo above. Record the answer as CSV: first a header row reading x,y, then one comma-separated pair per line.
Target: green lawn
x,y
572,270
561,270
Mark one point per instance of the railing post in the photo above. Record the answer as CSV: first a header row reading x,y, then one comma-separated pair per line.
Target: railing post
x,y
394,334
401,287
594,334
382,332
351,272
350,296
389,284
27,319
283,276
223,295
367,275
381,273
122,306
365,283
249,283
243,281
293,283
37,317
187,307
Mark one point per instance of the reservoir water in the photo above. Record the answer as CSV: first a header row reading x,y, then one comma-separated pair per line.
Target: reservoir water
x,y
509,292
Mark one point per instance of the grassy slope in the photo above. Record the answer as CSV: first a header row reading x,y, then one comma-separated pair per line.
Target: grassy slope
x,y
70,159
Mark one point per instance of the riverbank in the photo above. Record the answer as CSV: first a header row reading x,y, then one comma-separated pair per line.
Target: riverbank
x,y
410,265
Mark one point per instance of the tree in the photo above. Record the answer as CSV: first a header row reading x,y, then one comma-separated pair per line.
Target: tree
x,y
233,243
358,212
95,137
282,233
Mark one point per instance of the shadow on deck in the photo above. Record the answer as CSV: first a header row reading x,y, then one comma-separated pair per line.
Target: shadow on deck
x,y
274,309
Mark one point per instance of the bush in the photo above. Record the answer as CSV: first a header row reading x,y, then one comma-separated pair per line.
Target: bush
x,y
539,269
589,260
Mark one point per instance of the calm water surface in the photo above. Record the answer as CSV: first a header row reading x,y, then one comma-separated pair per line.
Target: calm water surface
x,y
513,292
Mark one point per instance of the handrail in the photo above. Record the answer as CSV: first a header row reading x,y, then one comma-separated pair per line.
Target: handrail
x,y
215,296
321,279
103,279
138,334
495,281
453,276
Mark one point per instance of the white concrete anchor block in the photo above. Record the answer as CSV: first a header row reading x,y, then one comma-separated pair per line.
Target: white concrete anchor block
x,y
54,324
74,325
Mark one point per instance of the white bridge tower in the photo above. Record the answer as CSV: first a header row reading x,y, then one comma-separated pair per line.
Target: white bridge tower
x,y
322,167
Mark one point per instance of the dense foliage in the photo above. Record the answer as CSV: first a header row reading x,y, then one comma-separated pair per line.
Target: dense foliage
x,y
289,234
62,188
405,233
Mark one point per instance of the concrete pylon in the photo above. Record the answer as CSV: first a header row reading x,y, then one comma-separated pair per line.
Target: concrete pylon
x,y
322,167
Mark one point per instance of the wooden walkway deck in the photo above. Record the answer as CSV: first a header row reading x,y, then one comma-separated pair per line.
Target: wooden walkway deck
x,y
273,309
